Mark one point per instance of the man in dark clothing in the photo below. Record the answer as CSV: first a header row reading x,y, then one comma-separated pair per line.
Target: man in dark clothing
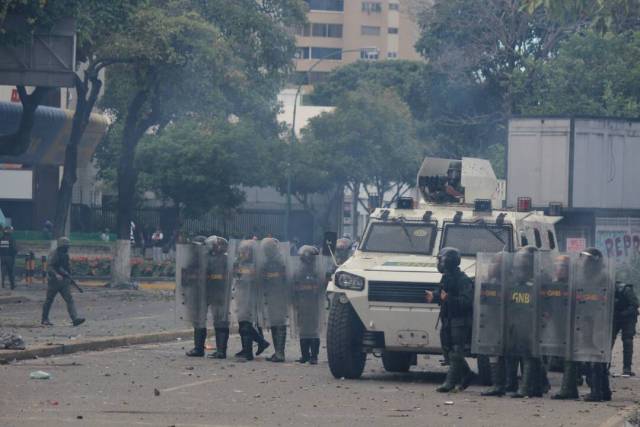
x,y
625,317
8,252
456,308
58,275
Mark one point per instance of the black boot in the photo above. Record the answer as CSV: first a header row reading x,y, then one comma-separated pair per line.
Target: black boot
x,y
199,337
246,338
279,334
305,349
497,378
315,349
262,343
569,388
511,370
455,372
627,357
595,382
222,338
524,389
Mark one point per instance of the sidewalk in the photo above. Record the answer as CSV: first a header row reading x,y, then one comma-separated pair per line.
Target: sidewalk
x,y
114,318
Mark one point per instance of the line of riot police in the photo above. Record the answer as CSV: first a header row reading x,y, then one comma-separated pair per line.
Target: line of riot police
x,y
253,284
530,306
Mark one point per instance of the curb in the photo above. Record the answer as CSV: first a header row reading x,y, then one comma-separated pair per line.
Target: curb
x,y
92,345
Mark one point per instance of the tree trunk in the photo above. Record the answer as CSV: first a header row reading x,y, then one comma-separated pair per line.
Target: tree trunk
x,y
127,176
69,176
18,142
355,218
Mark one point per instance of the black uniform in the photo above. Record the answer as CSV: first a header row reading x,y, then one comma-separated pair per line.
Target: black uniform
x,y
8,252
58,272
625,317
456,311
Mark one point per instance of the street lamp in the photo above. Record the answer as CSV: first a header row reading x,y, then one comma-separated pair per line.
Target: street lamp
x,y
293,140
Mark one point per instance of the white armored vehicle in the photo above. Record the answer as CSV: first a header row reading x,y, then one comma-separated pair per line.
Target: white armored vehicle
x,y
378,302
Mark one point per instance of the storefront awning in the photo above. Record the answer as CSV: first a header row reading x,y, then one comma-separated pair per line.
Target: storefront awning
x,y
51,130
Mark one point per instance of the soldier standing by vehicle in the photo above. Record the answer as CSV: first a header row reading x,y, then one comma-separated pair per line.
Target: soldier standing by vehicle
x,y
275,294
58,277
8,252
625,318
309,293
343,250
245,295
456,308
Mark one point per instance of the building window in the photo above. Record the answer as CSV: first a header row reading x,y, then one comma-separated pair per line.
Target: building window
x,y
302,53
369,54
393,30
303,30
367,30
327,30
331,53
392,55
394,6
333,5
371,7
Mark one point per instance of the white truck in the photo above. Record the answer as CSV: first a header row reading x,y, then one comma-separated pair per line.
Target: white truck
x,y
378,303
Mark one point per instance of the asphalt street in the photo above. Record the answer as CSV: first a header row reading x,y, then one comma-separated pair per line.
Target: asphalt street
x,y
156,385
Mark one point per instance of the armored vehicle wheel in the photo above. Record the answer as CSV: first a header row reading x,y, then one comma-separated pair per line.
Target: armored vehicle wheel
x,y
397,361
484,370
344,341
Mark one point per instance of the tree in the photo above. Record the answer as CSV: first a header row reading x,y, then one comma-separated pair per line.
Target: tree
x,y
367,141
194,58
590,75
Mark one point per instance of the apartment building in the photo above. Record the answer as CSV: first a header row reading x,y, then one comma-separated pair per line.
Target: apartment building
x,y
344,31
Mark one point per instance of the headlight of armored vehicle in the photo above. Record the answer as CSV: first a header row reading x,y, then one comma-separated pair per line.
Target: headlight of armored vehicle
x,y
349,281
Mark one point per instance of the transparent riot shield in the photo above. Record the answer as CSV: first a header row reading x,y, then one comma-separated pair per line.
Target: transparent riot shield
x,y
552,271
274,290
489,305
243,273
520,305
309,296
191,272
591,315
219,289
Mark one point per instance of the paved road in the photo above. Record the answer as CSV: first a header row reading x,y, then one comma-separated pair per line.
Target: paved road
x,y
116,388
108,313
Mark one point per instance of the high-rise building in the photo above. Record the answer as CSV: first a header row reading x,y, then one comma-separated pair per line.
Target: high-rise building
x,y
344,31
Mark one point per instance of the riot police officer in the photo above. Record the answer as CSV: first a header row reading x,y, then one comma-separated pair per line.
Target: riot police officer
x,y
309,292
592,266
625,318
456,307
58,275
245,296
275,294
8,252
343,250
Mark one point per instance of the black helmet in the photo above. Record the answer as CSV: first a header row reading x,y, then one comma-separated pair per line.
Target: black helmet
x,y
448,259
592,259
523,263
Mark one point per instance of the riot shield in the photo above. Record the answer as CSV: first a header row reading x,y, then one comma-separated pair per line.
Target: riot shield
x,y
274,290
591,316
244,289
520,306
309,296
218,289
552,272
191,272
489,304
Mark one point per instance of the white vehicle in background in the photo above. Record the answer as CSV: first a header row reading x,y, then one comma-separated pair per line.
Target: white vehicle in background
x,y
378,300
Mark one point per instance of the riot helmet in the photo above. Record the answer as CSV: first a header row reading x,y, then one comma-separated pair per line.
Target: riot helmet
x,y
199,240
307,253
592,261
246,250
270,249
523,263
448,260
216,245
63,244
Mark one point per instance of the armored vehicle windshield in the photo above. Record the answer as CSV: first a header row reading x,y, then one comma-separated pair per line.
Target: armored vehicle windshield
x,y
400,237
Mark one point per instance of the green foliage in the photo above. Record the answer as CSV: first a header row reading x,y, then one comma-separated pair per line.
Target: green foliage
x,y
590,75
199,167
368,139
